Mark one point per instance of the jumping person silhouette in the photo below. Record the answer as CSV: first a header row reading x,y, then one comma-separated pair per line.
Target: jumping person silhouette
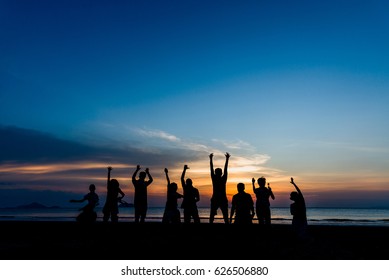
x,y
140,196
263,205
171,213
191,197
219,184
114,195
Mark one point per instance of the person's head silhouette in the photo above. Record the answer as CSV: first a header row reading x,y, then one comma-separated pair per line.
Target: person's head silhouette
x,y
240,187
142,175
262,182
92,187
218,172
189,182
173,187
114,183
294,196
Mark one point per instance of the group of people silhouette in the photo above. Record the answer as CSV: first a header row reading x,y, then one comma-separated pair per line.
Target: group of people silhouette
x,y
242,204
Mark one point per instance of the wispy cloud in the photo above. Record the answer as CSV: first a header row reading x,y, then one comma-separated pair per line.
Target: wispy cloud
x,y
353,147
158,134
234,145
164,140
55,167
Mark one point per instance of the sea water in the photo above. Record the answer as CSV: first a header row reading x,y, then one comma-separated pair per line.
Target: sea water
x,y
279,215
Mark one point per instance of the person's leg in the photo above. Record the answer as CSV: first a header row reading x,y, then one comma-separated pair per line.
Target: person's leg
x,y
88,216
105,219
214,207
80,217
137,214
114,218
143,215
165,217
260,215
257,210
196,217
106,215
187,216
176,219
267,216
212,215
225,213
224,208
94,216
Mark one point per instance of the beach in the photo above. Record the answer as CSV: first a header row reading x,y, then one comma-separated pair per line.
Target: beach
x,y
53,240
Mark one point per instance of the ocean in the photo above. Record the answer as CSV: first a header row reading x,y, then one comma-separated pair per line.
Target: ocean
x,y
280,215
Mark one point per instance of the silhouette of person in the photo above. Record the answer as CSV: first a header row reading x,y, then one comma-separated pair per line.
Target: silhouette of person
x,y
242,206
298,211
140,197
171,213
219,184
262,204
114,195
191,197
88,213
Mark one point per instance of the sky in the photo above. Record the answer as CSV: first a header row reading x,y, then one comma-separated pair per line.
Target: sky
x,y
289,88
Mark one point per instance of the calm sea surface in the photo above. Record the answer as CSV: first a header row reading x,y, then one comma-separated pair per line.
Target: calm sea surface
x,y
280,215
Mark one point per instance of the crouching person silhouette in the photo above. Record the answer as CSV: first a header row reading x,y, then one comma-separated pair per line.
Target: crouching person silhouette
x,y
88,214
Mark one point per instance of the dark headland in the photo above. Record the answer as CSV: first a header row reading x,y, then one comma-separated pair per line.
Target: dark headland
x,y
37,240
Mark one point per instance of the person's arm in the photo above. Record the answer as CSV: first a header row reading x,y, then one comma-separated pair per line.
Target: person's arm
x,y
121,194
197,195
253,181
271,192
150,178
109,175
226,164
297,188
167,176
135,172
183,175
211,164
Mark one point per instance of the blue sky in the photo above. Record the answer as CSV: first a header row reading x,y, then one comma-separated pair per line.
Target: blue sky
x,y
289,88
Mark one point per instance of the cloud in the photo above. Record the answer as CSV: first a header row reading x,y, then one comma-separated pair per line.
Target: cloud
x,y
20,145
169,140
39,161
234,145
245,158
353,147
215,145
48,168
158,134
25,145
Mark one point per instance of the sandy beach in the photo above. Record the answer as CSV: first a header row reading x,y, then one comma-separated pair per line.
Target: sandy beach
x,y
129,241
